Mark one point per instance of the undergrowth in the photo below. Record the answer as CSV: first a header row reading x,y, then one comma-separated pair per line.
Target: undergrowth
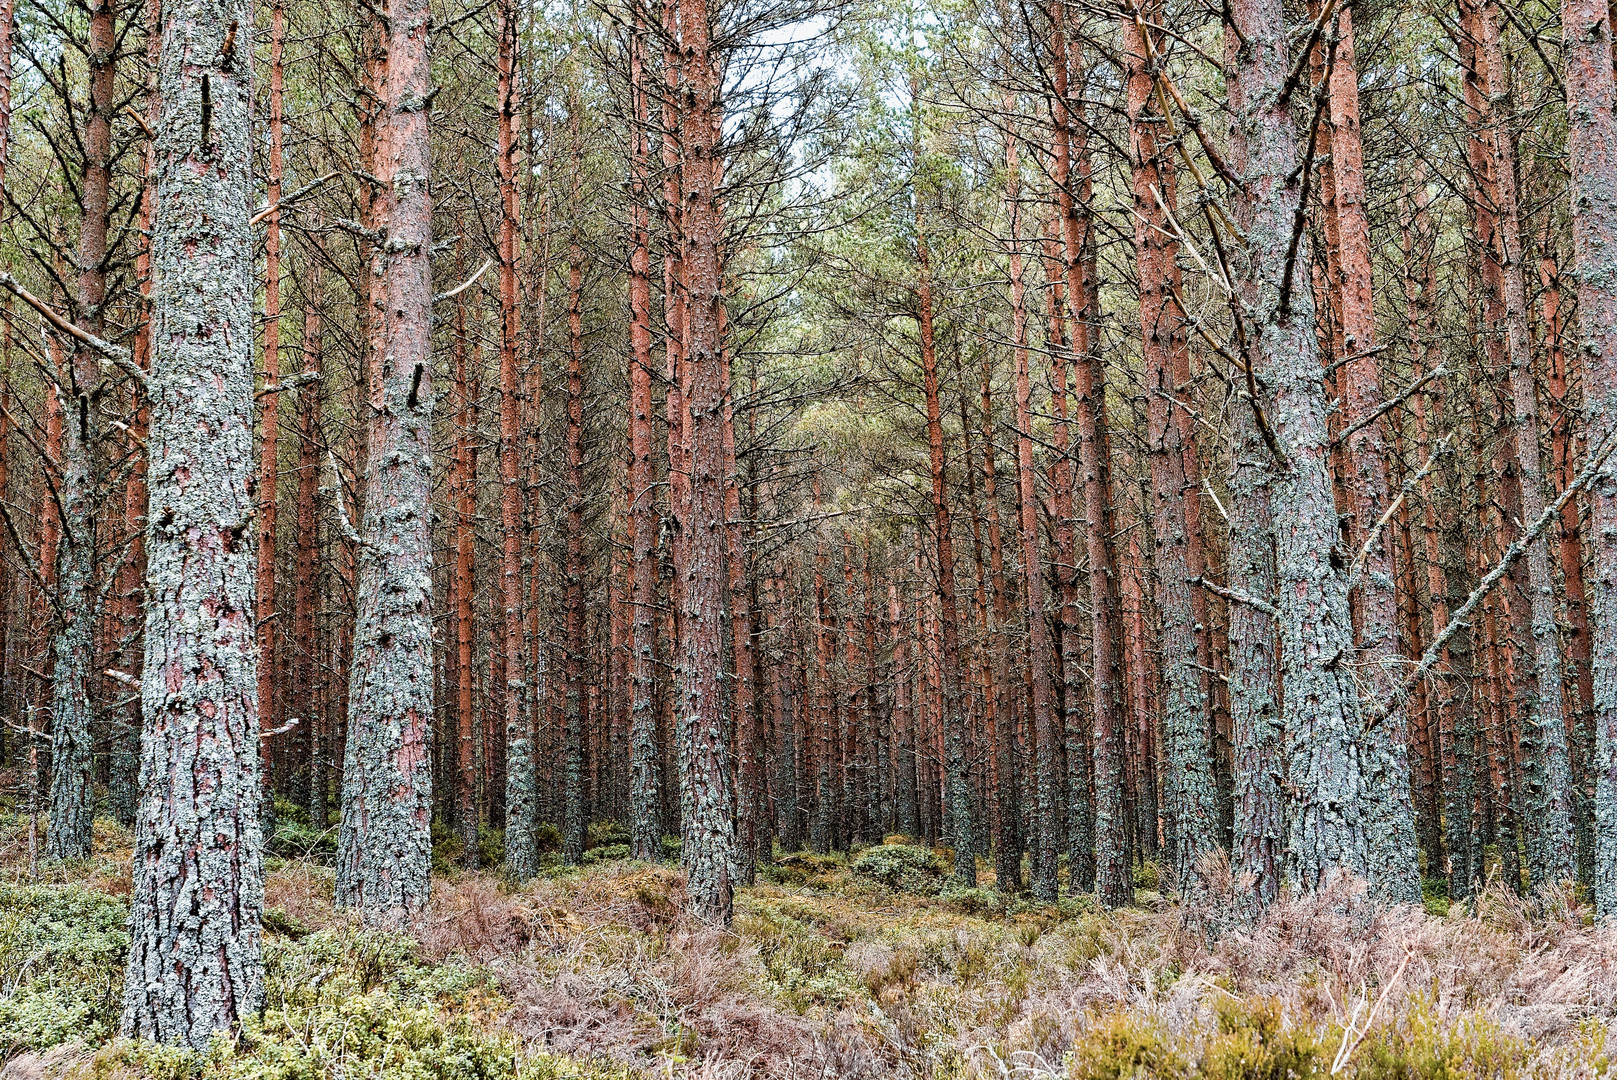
x,y
870,966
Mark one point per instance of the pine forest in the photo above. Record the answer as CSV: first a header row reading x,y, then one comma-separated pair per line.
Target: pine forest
x,y
618,539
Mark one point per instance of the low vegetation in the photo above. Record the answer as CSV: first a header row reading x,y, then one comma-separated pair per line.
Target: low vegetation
x,y
864,967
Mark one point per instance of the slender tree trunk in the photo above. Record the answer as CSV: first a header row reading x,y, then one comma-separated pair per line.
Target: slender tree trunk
x,y
644,782
72,802
306,567
573,572
384,849
707,787
954,719
1592,162
521,788
195,967
270,425
1545,754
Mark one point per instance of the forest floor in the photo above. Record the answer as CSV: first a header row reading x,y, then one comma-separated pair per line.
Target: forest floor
x,y
868,968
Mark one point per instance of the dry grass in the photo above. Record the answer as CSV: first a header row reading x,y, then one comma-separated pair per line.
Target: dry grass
x,y
838,977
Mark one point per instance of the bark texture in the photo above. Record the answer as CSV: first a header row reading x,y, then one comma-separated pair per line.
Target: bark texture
x,y
384,848
195,966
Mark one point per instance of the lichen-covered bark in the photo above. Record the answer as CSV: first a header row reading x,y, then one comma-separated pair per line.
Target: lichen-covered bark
x,y
644,794
1545,765
521,794
1394,864
72,803
1326,825
197,891
1190,800
384,848
1592,163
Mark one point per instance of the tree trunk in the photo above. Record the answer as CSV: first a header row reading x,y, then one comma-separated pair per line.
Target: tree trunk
x,y
270,426
1394,866
644,781
1190,799
306,545
72,802
1544,736
957,779
384,849
521,789
1592,163
197,897
707,790
573,572
1326,819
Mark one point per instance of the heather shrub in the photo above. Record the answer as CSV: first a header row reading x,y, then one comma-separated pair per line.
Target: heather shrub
x,y
1126,1046
1255,1041
905,867
1419,1046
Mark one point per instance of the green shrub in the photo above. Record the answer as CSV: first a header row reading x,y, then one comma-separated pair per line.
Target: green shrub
x,y
1434,894
62,952
1147,875
1421,1047
547,838
605,834
297,839
673,848
605,854
1254,1042
905,867
972,901
1125,1046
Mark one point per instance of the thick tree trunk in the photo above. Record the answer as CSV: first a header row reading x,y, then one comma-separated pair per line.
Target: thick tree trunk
x,y
384,849
1592,163
1327,826
1190,799
197,898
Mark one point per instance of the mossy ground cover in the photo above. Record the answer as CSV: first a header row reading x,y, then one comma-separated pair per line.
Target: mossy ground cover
x,y
868,966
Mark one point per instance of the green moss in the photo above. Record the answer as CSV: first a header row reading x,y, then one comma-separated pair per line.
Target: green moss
x,y
62,952
605,853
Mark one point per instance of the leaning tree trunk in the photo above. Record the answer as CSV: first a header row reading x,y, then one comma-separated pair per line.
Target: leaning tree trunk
x,y
1592,162
195,966
1326,823
384,849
